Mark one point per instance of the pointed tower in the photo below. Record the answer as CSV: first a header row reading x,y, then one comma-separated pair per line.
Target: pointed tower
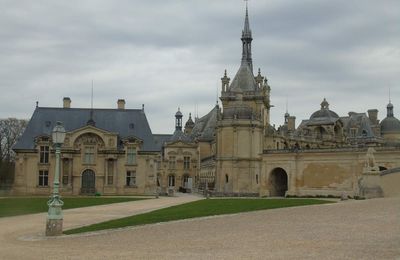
x,y
240,126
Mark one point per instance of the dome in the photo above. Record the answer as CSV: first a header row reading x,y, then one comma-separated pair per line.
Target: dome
x,y
324,112
390,125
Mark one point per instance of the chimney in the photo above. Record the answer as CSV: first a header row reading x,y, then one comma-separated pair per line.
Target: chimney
x,y
121,103
373,116
291,123
66,102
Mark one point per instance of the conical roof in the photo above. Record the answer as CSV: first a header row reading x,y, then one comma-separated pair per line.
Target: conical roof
x,y
243,80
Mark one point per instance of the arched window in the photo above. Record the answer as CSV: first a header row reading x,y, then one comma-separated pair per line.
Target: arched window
x,y
226,178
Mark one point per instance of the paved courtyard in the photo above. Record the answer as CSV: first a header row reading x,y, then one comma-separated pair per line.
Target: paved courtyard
x,y
368,229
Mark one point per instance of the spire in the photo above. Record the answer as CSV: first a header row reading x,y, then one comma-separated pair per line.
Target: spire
x,y
246,40
246,30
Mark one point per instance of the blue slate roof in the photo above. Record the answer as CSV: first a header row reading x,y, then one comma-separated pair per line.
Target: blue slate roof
x,y
160,139
124,122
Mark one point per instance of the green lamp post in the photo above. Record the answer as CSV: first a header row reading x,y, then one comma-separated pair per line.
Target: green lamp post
x,y
55,217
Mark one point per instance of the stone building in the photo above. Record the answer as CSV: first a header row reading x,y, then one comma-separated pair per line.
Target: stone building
x,y
232,150
110,151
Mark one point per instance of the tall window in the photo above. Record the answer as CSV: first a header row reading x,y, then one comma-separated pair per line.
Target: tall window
x,y
110,172
172,162
186,162
131,155
89,155
65,176
43,178
44,154
171,180
130,178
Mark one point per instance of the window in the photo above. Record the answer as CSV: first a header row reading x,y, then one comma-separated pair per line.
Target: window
x,y
257,178
226,178
43,178
89,155
131,155
172,162
110,172
65,176
130,178
186,162
44,154
171,180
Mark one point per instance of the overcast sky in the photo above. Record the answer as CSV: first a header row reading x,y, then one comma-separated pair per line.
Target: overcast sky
x,y
169,54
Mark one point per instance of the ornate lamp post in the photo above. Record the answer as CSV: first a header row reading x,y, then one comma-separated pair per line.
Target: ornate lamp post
x,y
55,217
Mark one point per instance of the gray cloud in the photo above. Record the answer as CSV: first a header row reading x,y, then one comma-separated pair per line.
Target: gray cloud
x,y
170,54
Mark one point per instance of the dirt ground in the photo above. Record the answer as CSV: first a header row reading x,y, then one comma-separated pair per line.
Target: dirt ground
x,y
368,229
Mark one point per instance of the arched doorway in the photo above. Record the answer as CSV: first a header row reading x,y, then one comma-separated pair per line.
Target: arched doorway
x,y
278,182
88,182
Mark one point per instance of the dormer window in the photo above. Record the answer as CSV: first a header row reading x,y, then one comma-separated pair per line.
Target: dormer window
x,y
131,155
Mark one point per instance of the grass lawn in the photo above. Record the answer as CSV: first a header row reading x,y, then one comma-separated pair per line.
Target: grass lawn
x,y
196,209
21,206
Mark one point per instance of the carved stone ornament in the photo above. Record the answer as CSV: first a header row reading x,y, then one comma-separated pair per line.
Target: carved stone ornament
x,y
89,139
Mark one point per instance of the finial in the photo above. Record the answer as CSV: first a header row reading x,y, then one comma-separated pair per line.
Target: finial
x,y
225,73
37,103
142,107
390,101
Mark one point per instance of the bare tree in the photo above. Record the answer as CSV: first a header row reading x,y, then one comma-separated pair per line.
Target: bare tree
x,y
10,130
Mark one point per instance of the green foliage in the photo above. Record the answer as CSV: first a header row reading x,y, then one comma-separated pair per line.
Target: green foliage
x,y
196,209
21,206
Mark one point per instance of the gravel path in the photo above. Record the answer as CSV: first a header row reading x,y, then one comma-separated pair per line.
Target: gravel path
x,y
368,229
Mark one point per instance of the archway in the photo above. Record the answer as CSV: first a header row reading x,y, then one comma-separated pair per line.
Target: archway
x,y
278,182
88,182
